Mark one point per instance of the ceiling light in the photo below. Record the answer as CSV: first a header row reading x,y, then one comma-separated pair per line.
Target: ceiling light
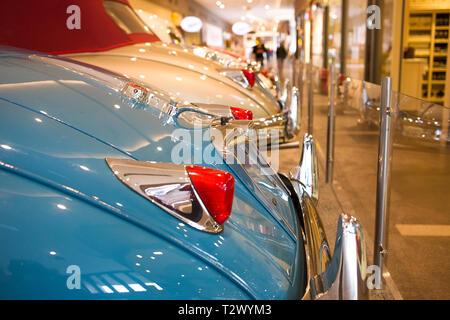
x,y
241,28
191,24
267,7
222,6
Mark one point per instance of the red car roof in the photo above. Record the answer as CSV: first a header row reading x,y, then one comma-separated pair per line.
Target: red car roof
x,y
41,26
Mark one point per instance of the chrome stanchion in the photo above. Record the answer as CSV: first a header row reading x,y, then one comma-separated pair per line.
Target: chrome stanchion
x,y
331,123
384,172
346,87
310,99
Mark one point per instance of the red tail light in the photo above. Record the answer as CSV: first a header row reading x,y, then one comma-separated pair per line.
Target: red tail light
x,y
241,114
250,75
215,188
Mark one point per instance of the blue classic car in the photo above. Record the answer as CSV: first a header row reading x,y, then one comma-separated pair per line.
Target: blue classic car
x,y
93,205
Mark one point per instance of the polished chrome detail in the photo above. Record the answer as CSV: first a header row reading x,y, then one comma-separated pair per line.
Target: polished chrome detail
x,y
277,86
293,116
262,132
169,187
219,58
236,143
267,85
289,145
139,95
343,276
136,92
277,128
331,125
109,78
286,94
383,171
237,76
199,114
306,173
271,129
310,99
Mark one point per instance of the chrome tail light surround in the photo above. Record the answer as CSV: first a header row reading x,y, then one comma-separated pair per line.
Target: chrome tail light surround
x,y
169,187
237,76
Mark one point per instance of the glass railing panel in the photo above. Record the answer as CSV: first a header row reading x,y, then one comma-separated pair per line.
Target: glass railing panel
x,y
419,217
418,239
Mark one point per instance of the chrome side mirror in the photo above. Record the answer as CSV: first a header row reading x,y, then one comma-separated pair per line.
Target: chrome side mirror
x,y
307,173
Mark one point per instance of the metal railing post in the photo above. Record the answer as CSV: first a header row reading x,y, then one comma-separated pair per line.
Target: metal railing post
x,y
346,85
310,98
301,87
384,172
331,123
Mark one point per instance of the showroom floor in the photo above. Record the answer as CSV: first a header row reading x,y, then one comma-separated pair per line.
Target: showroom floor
x,y
417,263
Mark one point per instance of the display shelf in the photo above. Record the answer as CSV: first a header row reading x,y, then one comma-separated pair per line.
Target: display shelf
x,y
428,34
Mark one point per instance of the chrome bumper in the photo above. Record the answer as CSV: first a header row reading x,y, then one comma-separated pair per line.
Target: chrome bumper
x,y
343,275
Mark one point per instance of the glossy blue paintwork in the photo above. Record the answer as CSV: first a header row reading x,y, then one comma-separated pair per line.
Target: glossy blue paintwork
x,y
60,205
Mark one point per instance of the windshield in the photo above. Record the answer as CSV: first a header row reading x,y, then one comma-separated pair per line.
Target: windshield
x,y
125,18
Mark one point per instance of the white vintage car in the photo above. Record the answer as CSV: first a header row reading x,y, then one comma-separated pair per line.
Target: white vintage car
x,y
111,36
168,33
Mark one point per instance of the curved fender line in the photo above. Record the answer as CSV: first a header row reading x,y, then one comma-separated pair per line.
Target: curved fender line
x,y
123,215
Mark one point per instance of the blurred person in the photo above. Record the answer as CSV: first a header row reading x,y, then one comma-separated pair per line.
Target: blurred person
x,y
258,51
281,55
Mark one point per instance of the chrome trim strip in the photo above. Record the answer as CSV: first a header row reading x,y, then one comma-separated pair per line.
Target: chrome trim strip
x,y
169,187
